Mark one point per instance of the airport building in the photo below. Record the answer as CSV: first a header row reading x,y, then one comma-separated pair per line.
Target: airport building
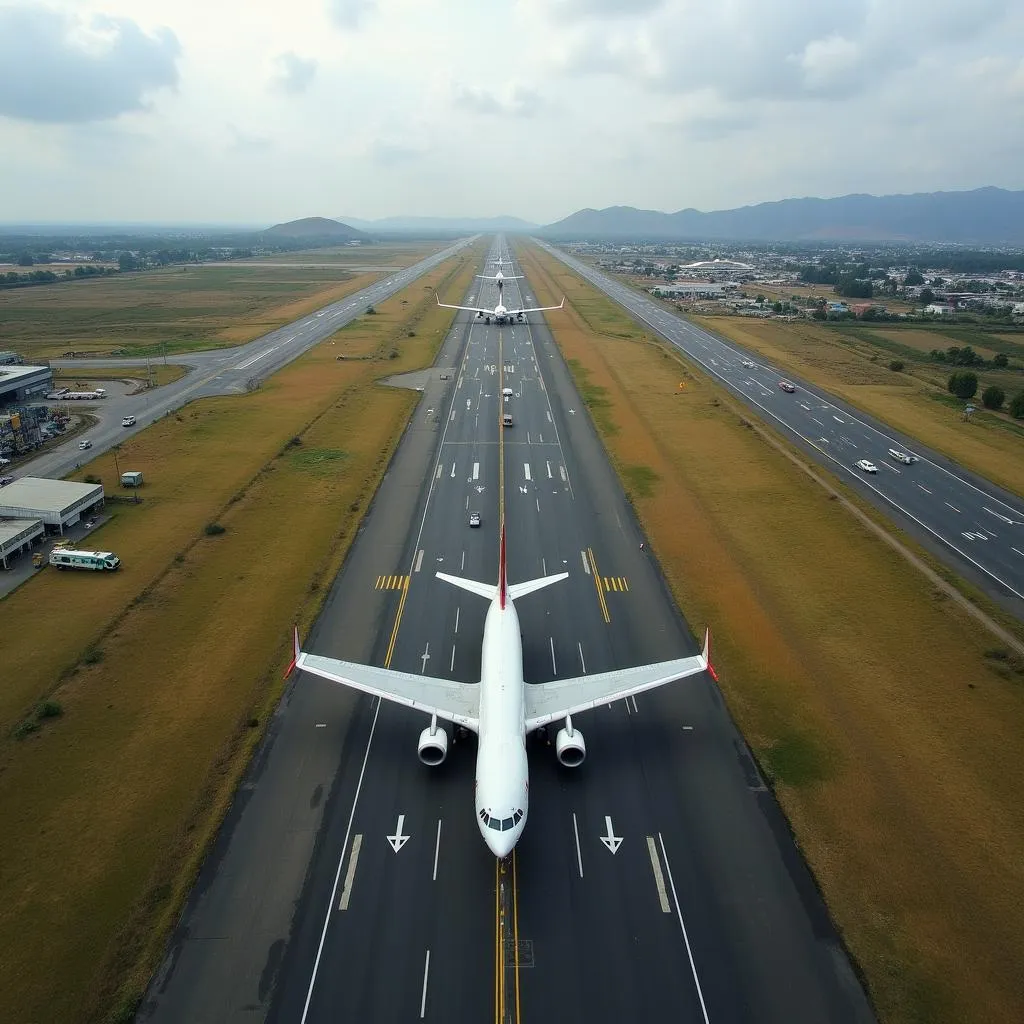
x,y
56,504
18,383
716,268
18,535
690,290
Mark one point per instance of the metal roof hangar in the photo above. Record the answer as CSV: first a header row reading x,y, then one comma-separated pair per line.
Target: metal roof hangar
x,y
57,503
18,383
17,535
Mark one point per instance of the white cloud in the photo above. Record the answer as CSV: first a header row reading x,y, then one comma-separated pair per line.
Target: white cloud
x,y
160,109
294,74
61,68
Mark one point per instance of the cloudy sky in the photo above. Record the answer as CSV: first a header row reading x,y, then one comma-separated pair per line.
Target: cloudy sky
x,y
259,111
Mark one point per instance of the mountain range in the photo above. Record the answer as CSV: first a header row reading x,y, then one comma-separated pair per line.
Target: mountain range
x,y
983,216
411,225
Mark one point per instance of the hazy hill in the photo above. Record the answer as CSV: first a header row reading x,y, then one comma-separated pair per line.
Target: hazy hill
x,y
470,225
310,228
986,216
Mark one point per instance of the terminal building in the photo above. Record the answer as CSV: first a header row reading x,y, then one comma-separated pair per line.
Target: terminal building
x,y
20,383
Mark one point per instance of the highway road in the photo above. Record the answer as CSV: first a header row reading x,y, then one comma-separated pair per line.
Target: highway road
x,y
350,882
974,527
218,372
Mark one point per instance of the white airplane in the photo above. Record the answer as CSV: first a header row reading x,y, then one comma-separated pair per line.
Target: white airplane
x,y
502,709
500,314
500,278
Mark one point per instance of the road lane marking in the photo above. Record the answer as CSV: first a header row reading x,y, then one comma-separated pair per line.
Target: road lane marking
x,y
398,620
659,878
346,892
438,477
1011,522
548,464
953,507
451,667
1019,552
586,564
437,847
476,470
426,975
923,488
554,667
579,647
419,560
453,470
686,938
341,860
579,854
526,470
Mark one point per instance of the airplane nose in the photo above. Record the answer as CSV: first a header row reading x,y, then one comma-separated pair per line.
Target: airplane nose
x,y
501,843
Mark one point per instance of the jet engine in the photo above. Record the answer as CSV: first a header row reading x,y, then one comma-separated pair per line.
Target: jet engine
x,y
570,747
433,745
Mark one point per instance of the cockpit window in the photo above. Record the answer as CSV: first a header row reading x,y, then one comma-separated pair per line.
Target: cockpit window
x,y
502,824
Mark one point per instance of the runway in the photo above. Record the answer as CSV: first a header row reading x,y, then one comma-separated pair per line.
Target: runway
x,y
972,526
219,371
656,882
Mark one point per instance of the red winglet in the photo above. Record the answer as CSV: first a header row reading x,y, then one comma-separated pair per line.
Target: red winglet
x,y
296,650
501,568
707,654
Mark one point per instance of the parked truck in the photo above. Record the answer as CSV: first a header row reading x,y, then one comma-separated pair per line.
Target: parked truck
x,y
64,558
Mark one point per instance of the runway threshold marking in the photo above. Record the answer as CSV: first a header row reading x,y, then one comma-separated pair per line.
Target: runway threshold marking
x,y
392,582
597,586
346,892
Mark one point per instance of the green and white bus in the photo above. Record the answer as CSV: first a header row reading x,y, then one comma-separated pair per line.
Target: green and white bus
x,y
62,558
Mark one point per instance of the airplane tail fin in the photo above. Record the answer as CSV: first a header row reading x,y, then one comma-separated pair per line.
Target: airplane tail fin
x,y
504,589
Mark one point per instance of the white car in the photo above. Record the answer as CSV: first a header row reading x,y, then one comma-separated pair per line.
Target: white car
x,y
507,392
748,363
905,457
82,445
868,467
127,421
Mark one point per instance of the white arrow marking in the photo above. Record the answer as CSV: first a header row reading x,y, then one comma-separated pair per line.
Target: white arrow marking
x,y
398,840
612,841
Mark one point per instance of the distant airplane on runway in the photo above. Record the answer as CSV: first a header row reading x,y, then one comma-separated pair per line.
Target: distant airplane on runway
x,y
500,314
501,709
500,278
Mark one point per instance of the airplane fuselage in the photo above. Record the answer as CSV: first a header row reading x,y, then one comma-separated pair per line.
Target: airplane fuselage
x,y
502,772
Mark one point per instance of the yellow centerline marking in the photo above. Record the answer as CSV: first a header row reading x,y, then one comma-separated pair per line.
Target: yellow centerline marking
x,y
597,586
515,926
398,620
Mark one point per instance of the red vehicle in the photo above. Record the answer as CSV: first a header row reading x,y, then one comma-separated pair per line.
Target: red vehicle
x,y
786,386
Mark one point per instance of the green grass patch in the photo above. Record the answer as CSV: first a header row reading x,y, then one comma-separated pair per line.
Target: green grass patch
x,y
317,460
796,759
595,397
639,480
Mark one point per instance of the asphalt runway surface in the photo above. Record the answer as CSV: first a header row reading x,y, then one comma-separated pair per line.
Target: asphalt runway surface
x,y
972,526
656,882
217,372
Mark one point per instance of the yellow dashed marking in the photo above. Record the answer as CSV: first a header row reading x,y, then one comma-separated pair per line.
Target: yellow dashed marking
x,y
617,583
391,582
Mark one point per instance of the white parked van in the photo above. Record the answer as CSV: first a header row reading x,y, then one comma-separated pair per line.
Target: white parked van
x,y
63,558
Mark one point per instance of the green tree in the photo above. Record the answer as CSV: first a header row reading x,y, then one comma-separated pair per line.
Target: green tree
x,y
913,277
777,307
25,259
927,296
1000,360
126,261
993,397
1017,406
964,385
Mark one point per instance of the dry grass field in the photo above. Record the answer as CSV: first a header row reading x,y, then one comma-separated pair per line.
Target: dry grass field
x,y
914,403
166,670
891,726
71,377
180,309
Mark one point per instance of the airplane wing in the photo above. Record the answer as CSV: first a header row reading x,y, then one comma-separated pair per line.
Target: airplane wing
x,y
547,702
468,309
449,700
537,309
